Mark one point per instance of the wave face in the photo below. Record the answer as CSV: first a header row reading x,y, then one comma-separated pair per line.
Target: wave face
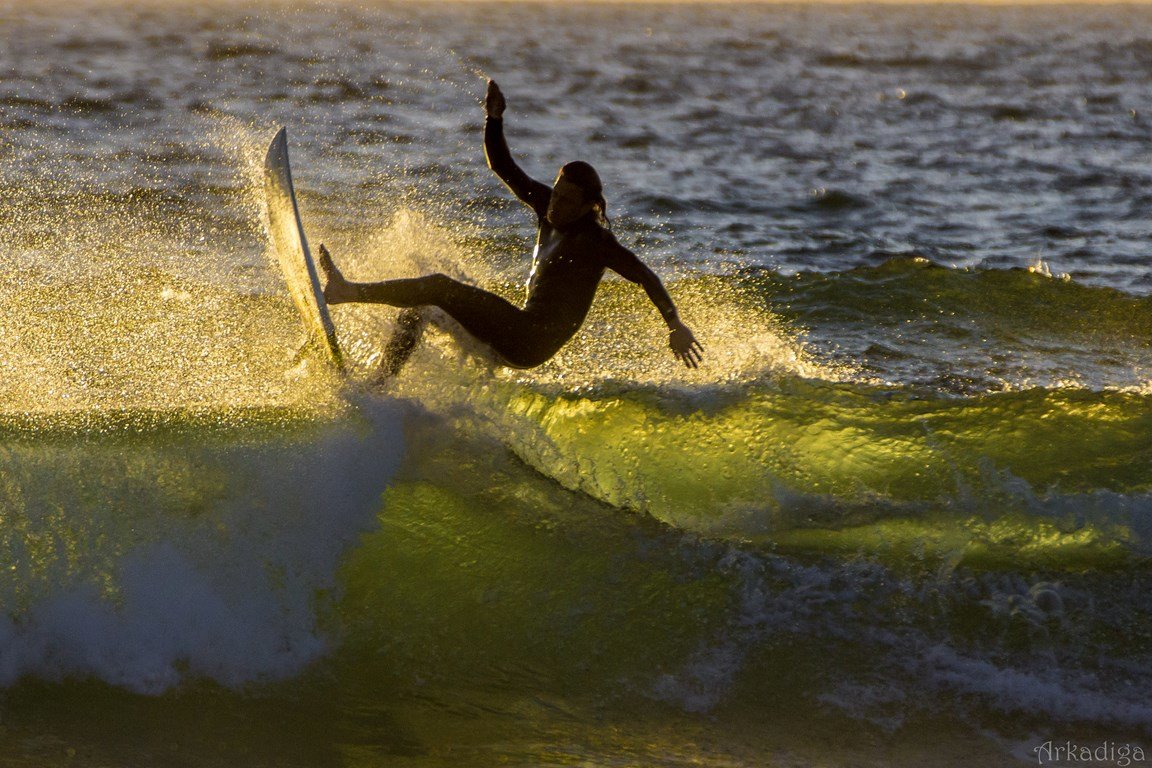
x,y
901,517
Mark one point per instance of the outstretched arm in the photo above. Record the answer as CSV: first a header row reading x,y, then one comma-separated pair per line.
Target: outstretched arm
x,y
680,337
530,191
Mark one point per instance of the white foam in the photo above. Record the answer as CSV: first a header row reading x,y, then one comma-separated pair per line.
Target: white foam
x,y
1066,695
233,592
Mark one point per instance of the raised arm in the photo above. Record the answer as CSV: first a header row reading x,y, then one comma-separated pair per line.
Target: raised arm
x,y
680,337
531,192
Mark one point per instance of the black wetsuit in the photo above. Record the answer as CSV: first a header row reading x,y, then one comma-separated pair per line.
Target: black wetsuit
x,y
566,269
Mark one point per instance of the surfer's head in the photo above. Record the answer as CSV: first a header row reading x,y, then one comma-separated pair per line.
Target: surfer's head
x,y
576,193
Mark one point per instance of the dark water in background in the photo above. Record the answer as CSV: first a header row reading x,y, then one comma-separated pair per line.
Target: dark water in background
x,y
901,517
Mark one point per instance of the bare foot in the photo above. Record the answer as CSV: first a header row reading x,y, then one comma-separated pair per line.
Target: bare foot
x,y
337,290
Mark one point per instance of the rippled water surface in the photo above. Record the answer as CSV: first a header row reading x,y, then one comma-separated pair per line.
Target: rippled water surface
x,y
900,517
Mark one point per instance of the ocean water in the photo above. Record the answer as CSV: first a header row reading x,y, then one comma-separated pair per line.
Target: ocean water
x,y
902,515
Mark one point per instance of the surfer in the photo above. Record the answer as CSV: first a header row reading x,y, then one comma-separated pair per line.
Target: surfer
x,y
573,248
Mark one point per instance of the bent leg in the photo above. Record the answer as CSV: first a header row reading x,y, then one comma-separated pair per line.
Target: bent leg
x,y
508,330
492,320
409,329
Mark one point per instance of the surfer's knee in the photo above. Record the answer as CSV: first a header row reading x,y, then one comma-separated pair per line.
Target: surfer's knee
x,y
431,284
439,280
441,290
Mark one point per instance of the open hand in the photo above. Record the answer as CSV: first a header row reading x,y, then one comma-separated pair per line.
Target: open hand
x,y
494,102
685,347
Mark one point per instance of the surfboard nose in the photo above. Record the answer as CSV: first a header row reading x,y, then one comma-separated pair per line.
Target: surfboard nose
x,y
290,244
278,149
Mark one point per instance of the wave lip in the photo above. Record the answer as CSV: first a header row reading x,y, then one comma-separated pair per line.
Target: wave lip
x,y
842,467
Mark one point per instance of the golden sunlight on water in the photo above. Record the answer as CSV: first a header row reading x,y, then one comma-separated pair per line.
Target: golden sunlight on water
x,y
144,340
107,304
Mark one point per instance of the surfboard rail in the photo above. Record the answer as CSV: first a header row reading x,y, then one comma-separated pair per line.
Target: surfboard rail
x,y
286,232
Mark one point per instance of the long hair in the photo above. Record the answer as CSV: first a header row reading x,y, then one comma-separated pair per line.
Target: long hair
x,y
584,176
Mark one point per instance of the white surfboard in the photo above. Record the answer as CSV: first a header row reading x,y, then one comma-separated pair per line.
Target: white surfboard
x,y
292,252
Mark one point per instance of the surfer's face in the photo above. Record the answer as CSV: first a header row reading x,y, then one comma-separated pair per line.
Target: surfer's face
x,y
568,203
